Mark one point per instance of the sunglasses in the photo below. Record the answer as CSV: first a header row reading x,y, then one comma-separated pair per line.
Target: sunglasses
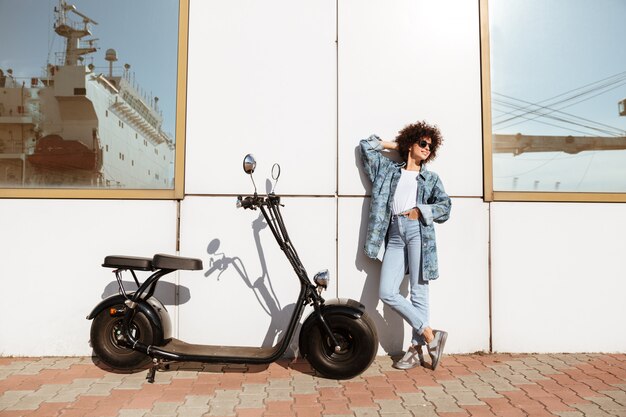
x,y
423,144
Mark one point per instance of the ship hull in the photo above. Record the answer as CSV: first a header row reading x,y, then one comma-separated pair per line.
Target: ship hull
x,y
54,152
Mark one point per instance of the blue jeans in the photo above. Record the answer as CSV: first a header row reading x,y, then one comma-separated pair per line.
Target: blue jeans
x,y
404,249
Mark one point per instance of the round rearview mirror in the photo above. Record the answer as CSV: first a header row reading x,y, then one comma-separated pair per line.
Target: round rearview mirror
x,y
275,171
249,164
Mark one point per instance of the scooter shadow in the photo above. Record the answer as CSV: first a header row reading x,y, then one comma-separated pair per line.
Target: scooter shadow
x,y
281,367
169,294
96,362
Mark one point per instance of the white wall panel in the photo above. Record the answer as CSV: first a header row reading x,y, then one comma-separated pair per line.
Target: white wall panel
x,y
404,61
248,289
51,273
558,277
459,298
261,80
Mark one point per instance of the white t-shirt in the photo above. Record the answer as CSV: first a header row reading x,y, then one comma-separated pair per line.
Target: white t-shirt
x,y
405,197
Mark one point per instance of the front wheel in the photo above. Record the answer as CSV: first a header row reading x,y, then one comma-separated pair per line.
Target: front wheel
x,y
358,341
107,340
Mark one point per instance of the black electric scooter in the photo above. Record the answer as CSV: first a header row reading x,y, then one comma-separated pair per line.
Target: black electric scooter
x,y
132,329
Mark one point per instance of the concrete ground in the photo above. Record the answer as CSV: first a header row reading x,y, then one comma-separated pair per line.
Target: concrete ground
x,y
566,385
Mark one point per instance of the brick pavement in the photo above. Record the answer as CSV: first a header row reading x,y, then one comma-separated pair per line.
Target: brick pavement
x,y
564,385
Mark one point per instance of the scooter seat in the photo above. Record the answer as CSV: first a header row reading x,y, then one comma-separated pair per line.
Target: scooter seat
x,y
162,261
128,262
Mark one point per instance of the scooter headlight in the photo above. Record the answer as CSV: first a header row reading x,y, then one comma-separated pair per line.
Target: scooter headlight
x,y
322,278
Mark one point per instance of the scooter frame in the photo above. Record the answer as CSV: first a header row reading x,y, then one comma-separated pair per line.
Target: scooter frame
x,y
167,349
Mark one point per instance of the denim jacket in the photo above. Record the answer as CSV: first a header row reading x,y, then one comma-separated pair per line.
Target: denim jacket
x,y
432,201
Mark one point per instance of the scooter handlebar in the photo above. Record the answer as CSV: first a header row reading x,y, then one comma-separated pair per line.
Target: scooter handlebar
x,y
252,202
246,202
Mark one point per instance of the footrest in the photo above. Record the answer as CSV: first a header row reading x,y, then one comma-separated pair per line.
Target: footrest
x,y
162,261
128,262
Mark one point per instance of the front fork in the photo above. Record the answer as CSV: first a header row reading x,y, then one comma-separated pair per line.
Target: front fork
x,y
317,301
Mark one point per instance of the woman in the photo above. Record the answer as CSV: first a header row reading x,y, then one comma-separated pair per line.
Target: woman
x,y
406,200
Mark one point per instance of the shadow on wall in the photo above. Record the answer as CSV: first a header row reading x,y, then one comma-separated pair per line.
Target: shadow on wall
x,y
169,294
261,287
389,324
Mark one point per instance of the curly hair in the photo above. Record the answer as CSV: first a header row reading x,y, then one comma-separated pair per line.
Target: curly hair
x,y
414,133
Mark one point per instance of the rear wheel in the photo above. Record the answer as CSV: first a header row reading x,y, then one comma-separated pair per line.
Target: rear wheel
x,y
107,340
358,341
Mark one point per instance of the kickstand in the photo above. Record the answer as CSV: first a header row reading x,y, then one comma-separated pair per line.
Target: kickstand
x,y
157,364
151,372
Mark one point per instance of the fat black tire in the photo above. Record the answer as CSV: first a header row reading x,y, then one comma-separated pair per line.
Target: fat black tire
x,y
107,348
358,339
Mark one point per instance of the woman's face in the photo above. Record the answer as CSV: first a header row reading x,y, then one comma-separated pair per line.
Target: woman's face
x,y
418,153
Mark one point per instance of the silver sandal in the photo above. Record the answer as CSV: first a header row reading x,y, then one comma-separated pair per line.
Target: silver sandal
x,y
435,348
412,358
